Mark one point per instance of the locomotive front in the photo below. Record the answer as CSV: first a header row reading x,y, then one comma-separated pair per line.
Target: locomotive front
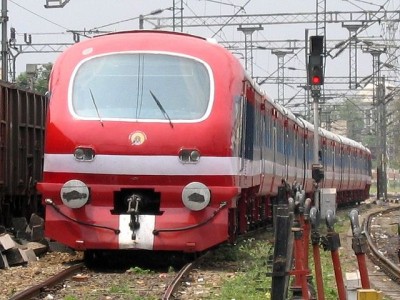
x,y
138,151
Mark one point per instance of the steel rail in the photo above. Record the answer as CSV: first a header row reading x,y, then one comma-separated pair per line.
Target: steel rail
x,y
35,290
174,285
389,268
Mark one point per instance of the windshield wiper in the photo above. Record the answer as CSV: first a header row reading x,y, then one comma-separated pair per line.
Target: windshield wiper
x,y
162,109
95,106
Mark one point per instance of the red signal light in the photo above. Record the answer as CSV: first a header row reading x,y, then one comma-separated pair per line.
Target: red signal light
x,y
316,79
316,68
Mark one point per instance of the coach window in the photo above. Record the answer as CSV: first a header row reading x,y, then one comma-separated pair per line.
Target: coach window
x,y
145,86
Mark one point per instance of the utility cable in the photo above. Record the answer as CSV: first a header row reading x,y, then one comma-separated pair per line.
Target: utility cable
x,y
224,3
37,15
362,1
231,18
41,17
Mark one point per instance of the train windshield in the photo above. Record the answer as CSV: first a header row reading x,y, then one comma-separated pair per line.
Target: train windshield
x,y
144,86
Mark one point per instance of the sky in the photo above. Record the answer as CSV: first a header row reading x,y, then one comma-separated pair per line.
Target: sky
x,y
52,26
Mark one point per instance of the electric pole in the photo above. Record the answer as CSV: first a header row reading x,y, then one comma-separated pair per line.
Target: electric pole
x,y
248,42
4,44
316,80
177,15
378,96
281,73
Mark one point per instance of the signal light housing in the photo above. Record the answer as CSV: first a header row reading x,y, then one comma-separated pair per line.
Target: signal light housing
x,y
315,61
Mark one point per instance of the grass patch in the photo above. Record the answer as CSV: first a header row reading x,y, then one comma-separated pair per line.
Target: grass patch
x,y
250,281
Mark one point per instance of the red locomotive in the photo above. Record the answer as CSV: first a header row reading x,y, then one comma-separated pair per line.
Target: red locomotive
x,y
161,141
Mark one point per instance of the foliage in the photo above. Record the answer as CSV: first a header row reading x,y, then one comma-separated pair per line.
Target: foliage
x,y
352,114
393,137
226,252
39,81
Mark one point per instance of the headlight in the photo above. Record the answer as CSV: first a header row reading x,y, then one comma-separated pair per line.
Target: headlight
x,y
74,193
189,156
196,196
84,154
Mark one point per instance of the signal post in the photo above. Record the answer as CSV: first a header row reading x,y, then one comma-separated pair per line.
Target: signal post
x,y
315,80
315,72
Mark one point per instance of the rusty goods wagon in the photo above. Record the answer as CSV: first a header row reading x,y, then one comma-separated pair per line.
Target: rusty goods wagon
x,y
22,119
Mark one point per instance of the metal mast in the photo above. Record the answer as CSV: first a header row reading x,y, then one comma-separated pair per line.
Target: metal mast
x,y
4,45
177,15
281,73
378,95
321,18
316,92
391,28
248,41
352,28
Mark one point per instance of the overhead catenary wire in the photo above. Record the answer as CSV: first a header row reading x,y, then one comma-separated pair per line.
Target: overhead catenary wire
x,y
229,20
224,3
362,1
221,32
43,18
37,15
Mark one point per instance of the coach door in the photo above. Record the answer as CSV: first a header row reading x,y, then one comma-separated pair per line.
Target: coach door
x,y
242,117
274,141
248,136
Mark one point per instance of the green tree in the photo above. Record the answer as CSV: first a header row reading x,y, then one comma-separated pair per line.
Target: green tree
x,y
393,138
352,113
39,81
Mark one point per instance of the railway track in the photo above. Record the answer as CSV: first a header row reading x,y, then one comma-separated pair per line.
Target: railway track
x,y
389,267
167,285
174,285
145,287
49,283
384,265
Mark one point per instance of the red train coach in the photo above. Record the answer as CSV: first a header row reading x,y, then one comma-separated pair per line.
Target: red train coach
x,y
159,140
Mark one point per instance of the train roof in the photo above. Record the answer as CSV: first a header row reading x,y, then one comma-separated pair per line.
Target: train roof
x,y
157,32
329,135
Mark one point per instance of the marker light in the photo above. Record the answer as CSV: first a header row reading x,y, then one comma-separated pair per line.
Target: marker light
x,y
196,196
74,193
